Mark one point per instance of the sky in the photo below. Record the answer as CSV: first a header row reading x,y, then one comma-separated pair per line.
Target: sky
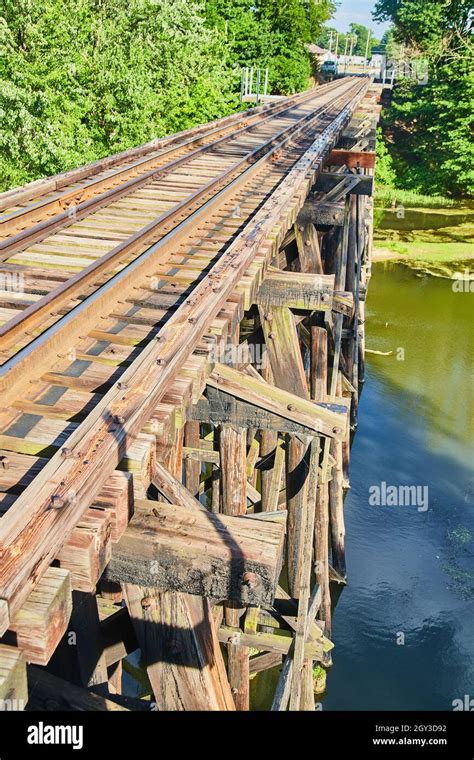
x,y
359,12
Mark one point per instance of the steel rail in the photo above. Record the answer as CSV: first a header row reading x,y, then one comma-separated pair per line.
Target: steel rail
x,y
38,188
30,316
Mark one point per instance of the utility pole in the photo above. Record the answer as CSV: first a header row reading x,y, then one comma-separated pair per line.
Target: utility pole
x,y
345,55
337,46
257,87
330,41
353,39
367,47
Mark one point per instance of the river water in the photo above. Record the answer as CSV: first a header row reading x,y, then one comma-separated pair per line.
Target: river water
x,y
404,625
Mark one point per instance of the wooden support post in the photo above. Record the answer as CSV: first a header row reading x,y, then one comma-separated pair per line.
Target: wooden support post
x,y
192,466
180,648
268,455
281,338
286,362
176,631
336,500
302,667
352,253
319,380
318,363
233,444
215,475
308,248
357,283
297,468
233,462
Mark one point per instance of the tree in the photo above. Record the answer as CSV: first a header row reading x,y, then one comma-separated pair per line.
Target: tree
x,y
271,33
81,78
428,128
361,33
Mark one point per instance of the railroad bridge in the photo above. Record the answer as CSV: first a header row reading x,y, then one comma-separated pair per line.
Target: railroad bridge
x,y
182,348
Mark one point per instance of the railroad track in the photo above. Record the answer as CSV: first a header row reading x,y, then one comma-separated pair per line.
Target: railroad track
x,y
116,301
102,224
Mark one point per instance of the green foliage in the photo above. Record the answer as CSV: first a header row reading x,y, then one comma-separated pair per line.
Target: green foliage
x,y
361,33
271,33
387,196
80,79
428,128
386,175
83,78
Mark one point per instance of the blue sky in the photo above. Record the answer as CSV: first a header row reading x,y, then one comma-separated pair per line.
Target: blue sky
x,y
359,11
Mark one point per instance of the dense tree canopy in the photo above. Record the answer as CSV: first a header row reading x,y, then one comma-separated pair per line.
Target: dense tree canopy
x,y
428,127
83,78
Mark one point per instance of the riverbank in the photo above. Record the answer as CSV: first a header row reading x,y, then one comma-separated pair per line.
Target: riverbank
x,y
437,241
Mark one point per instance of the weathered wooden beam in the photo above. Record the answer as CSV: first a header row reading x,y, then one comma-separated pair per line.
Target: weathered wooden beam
x,y
216,556
319,389
264,662
302,665
200,455
281,696
294,290
281,338
116,498
315,417
336,501
13,684
180,648
269,443
233,465
192,465
327,181
308,248
269,642
172,489
220,408
276,479
351,159
322,214
233,482
49,692
140,460
39,625
88,549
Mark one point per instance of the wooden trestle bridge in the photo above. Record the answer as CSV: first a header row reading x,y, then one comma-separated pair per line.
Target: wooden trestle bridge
x,y
182,347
